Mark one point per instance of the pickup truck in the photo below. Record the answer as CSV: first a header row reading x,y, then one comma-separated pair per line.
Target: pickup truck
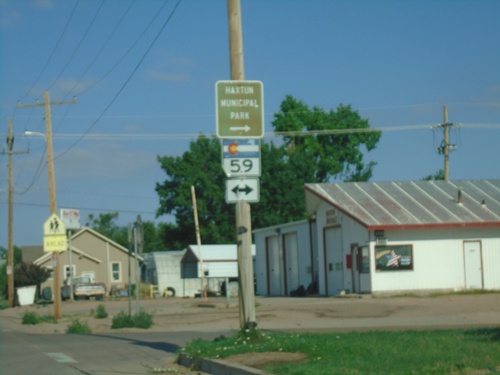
x,y
83,288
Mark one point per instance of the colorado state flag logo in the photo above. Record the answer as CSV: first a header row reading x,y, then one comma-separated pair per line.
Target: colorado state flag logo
x,y
240,148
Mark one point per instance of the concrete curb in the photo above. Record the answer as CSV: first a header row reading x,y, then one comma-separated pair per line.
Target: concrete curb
x,y
216,366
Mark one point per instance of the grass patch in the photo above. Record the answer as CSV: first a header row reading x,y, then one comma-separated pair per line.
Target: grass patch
x,y
33,318
123,320
78,327
397,352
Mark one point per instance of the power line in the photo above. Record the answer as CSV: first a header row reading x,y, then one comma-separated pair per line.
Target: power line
x,y
164,136
115,29
77,47
53,50
126,81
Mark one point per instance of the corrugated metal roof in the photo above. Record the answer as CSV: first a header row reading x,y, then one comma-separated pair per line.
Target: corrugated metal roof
x,y
410,204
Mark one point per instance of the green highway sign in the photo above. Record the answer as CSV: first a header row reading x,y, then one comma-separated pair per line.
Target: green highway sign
x,y
239,109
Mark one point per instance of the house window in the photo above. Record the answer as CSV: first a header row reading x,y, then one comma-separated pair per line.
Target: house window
x,y
51,270
394,258
116,271
67,273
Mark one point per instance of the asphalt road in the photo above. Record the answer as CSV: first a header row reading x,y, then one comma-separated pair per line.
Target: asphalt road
x,y
96,354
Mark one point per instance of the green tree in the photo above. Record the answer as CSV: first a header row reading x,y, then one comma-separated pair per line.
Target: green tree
x,y
439,175
199,167
18,258
335,149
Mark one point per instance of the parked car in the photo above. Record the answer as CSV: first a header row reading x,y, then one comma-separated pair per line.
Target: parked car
x,y
83,288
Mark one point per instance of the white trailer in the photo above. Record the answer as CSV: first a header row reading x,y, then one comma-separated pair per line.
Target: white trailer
x,y
163,268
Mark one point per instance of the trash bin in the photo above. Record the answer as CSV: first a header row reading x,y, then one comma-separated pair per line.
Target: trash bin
x,y
47,293
26,295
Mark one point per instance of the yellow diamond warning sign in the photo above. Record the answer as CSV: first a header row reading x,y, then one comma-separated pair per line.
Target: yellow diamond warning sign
x,y
54,235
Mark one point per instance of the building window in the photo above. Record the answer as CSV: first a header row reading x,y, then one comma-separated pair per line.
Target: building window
x,y
51,270
67,269
116,271
394,258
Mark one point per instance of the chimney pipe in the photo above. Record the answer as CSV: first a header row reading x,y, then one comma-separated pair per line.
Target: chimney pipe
x,y
459,200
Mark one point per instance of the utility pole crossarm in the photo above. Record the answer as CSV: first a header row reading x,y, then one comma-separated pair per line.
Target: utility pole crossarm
x,y
73,101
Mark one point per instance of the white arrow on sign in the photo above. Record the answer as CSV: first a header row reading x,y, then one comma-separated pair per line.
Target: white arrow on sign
x,y
244,128
242,190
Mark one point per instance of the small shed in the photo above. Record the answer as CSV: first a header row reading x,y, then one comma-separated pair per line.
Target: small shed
x,y
163,268
218,262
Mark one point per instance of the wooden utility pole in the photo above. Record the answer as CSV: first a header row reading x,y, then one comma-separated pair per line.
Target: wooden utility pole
x,y
243,213
446,138
446,147
52,190
198,241
10,229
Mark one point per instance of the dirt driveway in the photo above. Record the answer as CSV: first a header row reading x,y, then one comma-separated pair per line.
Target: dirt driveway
x,y
310,314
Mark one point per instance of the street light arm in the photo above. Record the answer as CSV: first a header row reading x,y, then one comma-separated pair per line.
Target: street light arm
x,y
28,133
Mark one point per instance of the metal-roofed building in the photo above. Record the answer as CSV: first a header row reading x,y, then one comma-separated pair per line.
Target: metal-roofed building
x,y
379,237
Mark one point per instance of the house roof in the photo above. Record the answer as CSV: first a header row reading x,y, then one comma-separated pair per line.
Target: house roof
x,y
84,230
31,253
412,204
35,254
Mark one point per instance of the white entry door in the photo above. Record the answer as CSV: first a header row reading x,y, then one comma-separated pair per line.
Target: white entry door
x,y
473,268
334,263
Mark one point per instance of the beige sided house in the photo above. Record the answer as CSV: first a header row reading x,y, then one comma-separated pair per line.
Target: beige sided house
x,y
96,256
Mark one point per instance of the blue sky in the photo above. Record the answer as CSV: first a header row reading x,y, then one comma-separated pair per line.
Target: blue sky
x,y
145,87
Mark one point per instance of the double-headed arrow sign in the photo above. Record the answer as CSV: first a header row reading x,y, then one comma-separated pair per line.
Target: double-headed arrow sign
x,y
242,190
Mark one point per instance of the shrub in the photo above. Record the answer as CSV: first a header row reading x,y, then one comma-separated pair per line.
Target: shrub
x,y
143,320
31,317
29,274
101,312
78,327
123,320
